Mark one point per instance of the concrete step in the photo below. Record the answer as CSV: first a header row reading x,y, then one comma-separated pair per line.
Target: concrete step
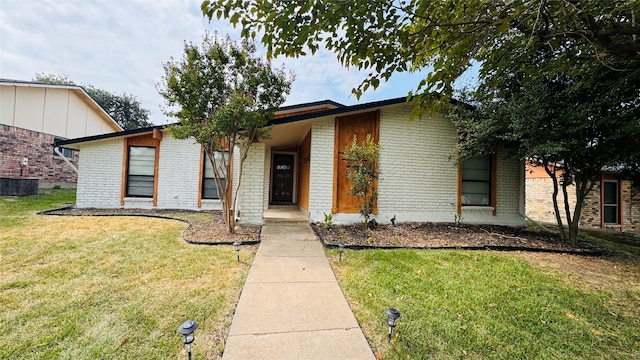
x,y
282,221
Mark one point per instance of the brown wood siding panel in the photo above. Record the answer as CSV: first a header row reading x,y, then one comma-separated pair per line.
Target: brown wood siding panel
x,y
304,170
359,125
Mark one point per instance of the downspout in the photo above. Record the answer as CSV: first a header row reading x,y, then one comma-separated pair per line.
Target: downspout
x,y
57,151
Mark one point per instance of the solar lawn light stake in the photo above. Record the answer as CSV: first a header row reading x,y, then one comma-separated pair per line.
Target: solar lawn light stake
x,y
186,330
392,316
236,247
341,249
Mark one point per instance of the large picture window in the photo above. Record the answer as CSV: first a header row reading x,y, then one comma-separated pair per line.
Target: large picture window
x,y
209,188
476,181
141,171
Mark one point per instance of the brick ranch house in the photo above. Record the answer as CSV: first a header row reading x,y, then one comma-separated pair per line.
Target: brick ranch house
x,y
32,117
301,164
614,202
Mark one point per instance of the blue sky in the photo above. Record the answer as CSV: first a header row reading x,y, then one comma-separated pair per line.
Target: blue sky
x,y
120,45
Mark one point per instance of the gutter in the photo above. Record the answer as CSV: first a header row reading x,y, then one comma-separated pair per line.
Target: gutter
x,y
57,151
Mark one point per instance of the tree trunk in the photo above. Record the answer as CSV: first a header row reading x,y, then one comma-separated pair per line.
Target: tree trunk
x,y
556,208
583,188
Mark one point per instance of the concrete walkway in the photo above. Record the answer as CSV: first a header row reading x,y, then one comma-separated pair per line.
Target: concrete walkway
x,y
291,306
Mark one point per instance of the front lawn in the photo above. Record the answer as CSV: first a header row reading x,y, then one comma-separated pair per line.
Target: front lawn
x,y
458,304
108,287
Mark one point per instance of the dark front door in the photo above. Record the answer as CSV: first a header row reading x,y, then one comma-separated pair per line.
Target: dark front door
x,y
282,183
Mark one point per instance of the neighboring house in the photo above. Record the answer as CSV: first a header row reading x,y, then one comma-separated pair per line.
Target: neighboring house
x,y
616,205
32,117
301,164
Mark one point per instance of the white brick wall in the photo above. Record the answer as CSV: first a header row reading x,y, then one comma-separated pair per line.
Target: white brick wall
x,y
321,168
100,178
267,177
251,193
100,174
178,175
418,178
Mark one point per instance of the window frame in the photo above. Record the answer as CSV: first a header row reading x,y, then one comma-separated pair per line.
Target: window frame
x,y
129,175
205,161
152,139
492,187
605,205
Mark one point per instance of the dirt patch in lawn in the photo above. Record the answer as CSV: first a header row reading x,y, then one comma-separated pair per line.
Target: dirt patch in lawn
x,y
448,236
205,227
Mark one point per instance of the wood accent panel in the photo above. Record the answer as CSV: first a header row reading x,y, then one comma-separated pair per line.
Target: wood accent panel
x,y
346,127
304,171
157,134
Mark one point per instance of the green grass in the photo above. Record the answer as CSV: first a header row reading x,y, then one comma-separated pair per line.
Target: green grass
x,y
16,210
108,287
484,305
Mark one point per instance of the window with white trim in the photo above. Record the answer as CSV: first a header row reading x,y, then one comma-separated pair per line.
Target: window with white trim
x,y
209,188
476,181
141,171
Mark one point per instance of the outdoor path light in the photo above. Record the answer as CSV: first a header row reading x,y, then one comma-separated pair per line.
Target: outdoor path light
x,y
186,330
341,249
236,247
392,316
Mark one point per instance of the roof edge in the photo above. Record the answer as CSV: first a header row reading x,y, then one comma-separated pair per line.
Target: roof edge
x,y
340,110
61,143
284,120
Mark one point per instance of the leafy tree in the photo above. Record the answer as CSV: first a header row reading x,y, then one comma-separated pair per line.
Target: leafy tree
x,y
224,96
125,109
362,169
573,126
385,37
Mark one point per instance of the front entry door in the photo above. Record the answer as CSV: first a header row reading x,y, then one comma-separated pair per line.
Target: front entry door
x,y
282,182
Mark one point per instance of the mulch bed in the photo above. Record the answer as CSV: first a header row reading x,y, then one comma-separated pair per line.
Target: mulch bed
x,y
448,236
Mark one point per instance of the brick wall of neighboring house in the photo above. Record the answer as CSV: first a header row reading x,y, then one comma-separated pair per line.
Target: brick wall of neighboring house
x,y
633,215
590,214
17,144
539,205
